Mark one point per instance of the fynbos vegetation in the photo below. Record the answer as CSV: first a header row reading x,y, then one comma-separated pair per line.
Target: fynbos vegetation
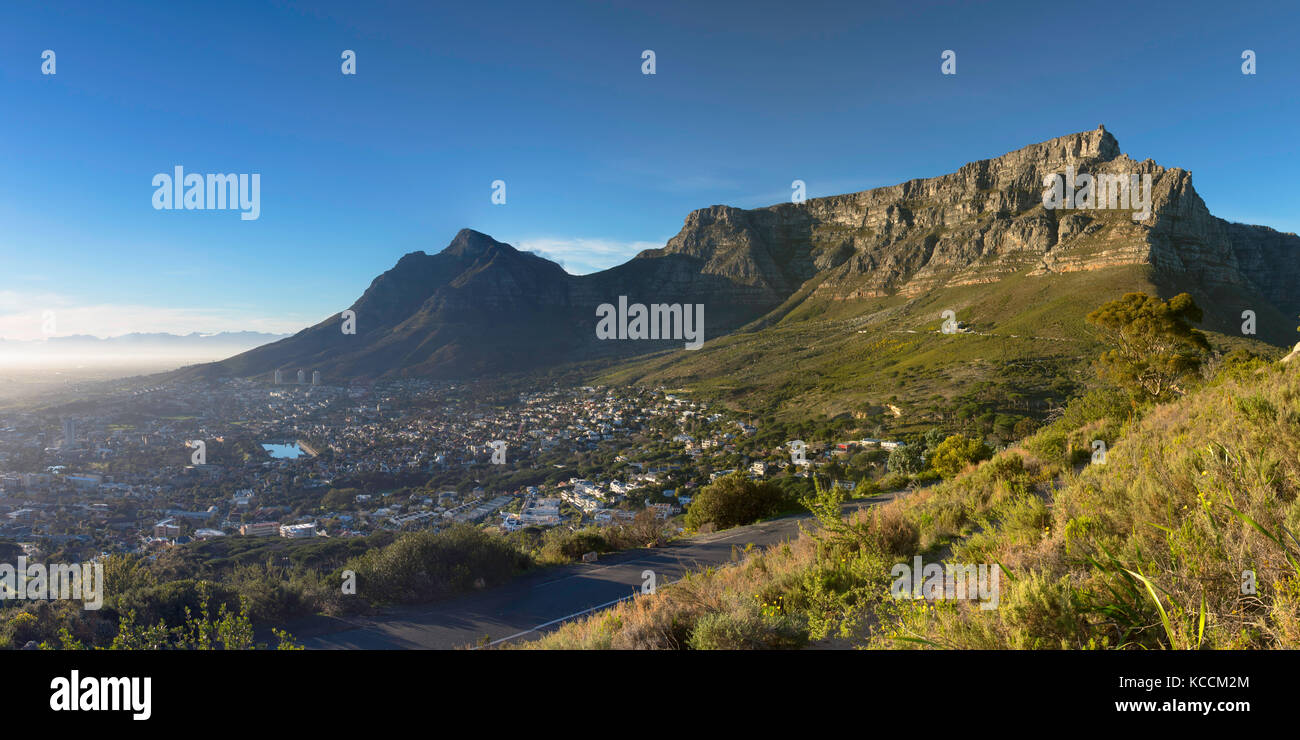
x,y
1185,538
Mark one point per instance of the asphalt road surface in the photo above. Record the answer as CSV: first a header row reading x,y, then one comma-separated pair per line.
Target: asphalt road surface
x,y
530,605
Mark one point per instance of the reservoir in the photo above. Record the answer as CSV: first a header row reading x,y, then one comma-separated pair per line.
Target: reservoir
x,y
284,452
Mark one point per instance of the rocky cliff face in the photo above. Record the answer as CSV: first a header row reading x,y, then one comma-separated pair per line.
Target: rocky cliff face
x,y
985,221
481,306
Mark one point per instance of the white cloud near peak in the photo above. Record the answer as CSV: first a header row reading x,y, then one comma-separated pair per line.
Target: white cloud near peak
x,y
579,256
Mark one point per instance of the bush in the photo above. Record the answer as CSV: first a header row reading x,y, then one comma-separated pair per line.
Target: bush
x,y
865,489
1049,445
956,452
735,500
565,546
743,630
1240,365
423,566
885,530
168,602
1045,613
892,482
1099,404
22,627
905,459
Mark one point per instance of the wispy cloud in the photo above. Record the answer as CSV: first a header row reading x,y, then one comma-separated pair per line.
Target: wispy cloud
x,y
580,256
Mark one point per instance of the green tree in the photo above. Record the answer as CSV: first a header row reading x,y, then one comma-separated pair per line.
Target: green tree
x,y
1154,349
932,439
734,500
905,460
956,452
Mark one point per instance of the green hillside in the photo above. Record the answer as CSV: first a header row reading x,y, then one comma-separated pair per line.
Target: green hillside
x,y
1028,350
1186,536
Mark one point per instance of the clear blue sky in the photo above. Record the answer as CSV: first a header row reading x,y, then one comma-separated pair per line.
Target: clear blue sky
x,y
599,160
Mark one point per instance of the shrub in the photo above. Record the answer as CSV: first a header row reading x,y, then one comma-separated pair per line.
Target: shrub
x,y
892,482
885,530
423,566
905,460
1049,445
743,630
735,500
563,546
956,452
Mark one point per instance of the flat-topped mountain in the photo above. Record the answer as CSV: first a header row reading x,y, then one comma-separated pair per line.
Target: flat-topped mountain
x,y
964,239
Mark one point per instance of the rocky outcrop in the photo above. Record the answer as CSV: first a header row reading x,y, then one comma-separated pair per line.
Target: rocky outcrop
x,y
987,221
1294,353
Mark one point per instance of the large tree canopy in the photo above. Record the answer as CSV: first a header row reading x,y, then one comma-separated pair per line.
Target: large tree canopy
x,y
1154,348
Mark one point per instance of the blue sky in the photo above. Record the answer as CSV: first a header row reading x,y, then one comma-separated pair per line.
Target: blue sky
x,y
599,160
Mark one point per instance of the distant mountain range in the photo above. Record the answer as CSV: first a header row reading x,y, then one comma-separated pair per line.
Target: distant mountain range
x,y
844,271
135,347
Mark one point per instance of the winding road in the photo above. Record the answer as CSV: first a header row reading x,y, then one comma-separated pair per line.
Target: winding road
x,y
533,603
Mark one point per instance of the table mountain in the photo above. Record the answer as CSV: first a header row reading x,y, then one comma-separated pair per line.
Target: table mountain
x,y
978,237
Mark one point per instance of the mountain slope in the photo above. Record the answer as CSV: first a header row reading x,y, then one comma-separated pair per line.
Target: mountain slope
x,y
863,330
830,270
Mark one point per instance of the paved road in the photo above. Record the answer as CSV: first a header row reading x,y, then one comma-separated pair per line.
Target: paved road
x,y
532,604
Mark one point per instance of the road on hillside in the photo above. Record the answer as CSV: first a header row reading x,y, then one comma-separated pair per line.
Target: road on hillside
x,y
532,604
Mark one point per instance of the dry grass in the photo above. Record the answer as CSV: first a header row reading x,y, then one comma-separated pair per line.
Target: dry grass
x,y
1161,506
748,593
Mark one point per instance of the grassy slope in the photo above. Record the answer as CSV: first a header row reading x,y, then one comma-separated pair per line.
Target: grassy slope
x,y
832,357
1158,507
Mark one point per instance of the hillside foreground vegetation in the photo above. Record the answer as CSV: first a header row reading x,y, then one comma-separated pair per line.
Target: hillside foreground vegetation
x,y
1182,535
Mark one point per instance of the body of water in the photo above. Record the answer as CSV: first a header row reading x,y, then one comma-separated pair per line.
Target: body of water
x,y
289,452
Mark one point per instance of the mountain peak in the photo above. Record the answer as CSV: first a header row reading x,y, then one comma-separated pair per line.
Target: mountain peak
x,y
473,244
1097,145
1107,144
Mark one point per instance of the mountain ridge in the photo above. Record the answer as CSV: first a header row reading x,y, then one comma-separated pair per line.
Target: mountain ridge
x,y
480,306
